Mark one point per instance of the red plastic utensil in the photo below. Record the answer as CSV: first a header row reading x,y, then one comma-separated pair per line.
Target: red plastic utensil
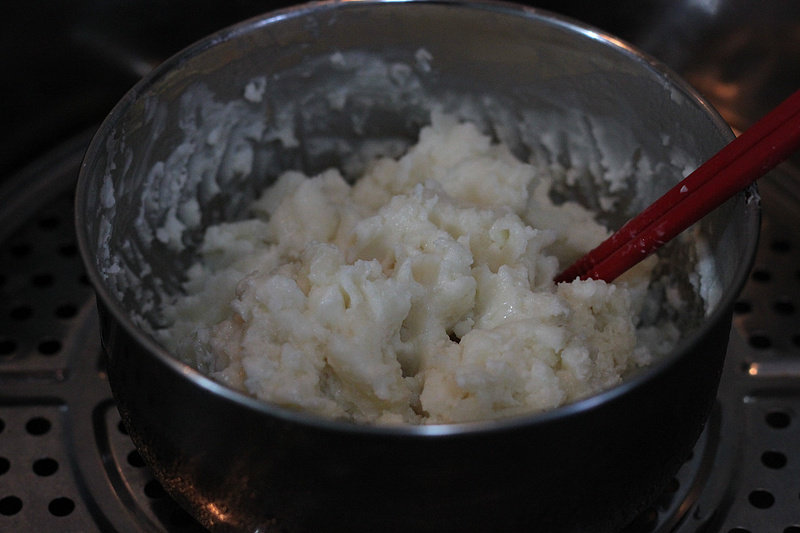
x,y
748,157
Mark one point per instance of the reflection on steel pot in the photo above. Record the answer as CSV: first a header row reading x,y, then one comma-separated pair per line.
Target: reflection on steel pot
x,y
314,86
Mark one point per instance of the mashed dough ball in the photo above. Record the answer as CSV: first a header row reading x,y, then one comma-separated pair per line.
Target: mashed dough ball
x,y
420,294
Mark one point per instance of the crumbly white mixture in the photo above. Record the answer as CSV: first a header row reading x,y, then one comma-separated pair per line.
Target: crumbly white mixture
x,y
422,293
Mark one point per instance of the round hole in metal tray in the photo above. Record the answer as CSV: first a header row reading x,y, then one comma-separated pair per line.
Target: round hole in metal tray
x,y
761,275
7,347
761,499
135,460
47,466
780,246
61,506
784,306
154,490
49,347
773,459
20,313
10,505
778,419
38,426
760,341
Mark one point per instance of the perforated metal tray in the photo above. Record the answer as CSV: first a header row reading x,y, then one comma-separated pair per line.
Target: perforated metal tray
x,y
66,463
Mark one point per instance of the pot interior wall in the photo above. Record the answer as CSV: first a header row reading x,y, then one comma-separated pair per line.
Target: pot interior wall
x,y
310,91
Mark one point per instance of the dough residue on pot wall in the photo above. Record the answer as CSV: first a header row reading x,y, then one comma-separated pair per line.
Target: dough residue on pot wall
x,y
421,293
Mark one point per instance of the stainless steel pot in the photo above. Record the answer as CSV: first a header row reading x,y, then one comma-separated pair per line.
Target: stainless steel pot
x,y
271,87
